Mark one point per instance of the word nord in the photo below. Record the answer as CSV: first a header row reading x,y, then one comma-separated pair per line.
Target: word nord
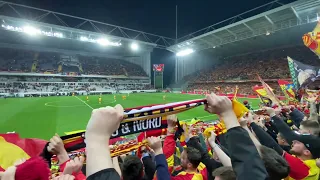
x,y
147,124
138,126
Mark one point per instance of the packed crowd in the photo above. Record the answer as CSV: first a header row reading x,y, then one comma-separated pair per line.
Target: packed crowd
x,y
270,64
24,84
275,143
68,87
229,88
48,62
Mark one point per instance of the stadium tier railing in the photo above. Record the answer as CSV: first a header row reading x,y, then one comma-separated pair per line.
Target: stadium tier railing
x,y
238,81
66,93
231,95
70,75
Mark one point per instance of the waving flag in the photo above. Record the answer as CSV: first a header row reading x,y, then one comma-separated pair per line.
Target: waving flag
x,y
269,92
312,39
302,74
288,90
263,95
13,148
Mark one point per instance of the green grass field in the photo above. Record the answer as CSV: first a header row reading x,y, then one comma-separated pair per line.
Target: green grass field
x,y
42,117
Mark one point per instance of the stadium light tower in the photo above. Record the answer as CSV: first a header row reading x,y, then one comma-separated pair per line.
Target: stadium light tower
x,y
185,52
134,46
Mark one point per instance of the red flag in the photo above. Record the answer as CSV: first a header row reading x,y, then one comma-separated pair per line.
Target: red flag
x,y
14,148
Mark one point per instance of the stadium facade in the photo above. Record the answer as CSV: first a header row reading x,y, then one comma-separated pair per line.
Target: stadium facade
x,y
279,27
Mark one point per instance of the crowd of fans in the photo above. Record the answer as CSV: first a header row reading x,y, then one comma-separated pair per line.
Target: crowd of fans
x,y
279,143
23,84
244,88
274,143
270,64
49,62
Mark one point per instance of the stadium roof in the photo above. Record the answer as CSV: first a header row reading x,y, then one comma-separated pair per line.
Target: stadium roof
x,y
72,26
281,26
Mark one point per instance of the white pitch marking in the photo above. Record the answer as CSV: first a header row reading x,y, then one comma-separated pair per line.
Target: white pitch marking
x,y
84,102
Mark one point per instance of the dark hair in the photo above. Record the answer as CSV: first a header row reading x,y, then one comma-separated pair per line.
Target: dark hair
x,y
281,135
225,173
194,156
132,168
276,166
313,125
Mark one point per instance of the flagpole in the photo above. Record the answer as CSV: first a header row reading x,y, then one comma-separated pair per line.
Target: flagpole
x,y
176,41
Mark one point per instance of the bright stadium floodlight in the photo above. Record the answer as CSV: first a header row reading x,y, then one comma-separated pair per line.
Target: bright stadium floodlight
x,y
134,46
185,52
103,42
31,30
83,38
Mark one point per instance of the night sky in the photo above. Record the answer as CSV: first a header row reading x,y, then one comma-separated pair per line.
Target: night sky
x,y
153,16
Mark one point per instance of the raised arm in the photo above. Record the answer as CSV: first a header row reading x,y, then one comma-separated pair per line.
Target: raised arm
x,y
245,158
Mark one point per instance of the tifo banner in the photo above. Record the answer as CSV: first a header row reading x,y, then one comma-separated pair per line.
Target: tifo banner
x,y
302,74
158,67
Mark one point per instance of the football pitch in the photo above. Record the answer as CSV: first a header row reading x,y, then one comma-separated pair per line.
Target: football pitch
x,y
42,117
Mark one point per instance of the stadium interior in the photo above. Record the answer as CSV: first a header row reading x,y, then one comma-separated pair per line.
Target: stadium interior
x,y
54,76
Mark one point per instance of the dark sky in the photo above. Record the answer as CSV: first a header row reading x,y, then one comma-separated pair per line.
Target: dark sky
x,y
153,16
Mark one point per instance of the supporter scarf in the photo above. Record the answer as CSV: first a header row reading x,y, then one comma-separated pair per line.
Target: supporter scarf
x,y
139,119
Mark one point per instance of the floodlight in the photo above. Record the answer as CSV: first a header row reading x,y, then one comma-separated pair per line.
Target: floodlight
x,y
83,38
31,30
134,46
57,34
185,52
103,42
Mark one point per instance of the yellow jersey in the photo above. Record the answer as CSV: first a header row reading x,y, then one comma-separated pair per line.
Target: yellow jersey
x,y
314,170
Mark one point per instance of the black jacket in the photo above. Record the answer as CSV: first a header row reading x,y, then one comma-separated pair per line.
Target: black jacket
x,y
210,164
245,158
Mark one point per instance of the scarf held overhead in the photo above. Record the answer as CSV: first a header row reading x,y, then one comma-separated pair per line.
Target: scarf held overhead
x,y
139,119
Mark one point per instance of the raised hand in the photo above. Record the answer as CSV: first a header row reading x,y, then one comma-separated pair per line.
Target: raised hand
x,y
103,122
74,166
56,145
172,120
155,144
218,104
222,106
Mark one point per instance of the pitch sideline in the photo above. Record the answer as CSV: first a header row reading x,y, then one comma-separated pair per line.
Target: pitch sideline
x,y
86,104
